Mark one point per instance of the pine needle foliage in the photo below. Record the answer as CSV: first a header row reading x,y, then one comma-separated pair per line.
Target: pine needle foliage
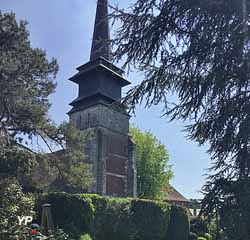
x,y
200,51
27,79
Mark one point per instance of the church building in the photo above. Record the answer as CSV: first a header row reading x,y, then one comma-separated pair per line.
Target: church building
x,y
98,107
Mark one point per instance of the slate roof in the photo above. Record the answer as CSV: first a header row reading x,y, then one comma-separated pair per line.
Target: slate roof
x,y
101,37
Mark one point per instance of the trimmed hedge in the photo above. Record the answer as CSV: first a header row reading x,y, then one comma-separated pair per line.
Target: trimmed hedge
x,y
73,213
178,228
150,218
116,218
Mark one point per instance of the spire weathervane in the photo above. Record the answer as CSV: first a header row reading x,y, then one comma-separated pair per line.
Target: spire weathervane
x,y
101,37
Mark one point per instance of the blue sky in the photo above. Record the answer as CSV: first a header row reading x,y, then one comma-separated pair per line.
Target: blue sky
x,y
64,29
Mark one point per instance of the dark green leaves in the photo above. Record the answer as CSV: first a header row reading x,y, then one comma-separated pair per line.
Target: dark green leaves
x,y
200,51
26,79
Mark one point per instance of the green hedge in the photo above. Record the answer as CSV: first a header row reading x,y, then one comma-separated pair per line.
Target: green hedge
x,y
178,228
73,213
116,218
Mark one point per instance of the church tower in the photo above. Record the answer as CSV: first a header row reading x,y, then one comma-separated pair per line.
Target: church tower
x,y
97,107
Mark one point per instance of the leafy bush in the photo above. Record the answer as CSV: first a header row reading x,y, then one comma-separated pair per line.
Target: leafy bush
x,y
71,212
115,218
59,235
13,203
85,237
198,226
208,236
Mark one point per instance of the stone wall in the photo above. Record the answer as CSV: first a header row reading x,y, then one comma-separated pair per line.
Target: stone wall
x,y
102,116
110,150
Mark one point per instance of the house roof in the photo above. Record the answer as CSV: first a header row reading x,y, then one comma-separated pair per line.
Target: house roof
x,y
175,196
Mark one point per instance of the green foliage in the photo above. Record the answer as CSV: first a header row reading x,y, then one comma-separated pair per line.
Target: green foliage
x,y
73,213
24,233
13,203
232,213
59,235
151,219
66,168
26,82
85,237
114,218
208,236
200,51
152,162
201,238
215,229
179,224
14,161
130,219
27,79
198,226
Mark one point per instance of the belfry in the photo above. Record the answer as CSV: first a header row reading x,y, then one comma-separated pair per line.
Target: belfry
x,y
98,108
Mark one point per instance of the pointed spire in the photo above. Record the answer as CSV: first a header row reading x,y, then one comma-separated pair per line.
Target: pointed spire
x,y
101,37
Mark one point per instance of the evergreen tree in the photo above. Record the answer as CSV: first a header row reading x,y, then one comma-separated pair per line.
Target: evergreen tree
x,y
27,79
200,51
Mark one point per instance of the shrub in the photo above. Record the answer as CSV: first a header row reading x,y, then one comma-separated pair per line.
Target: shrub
x,y
85,237
198,226
178,228
59,235
112,219
13,203
150,218
73,213
201,238
116,218
208,236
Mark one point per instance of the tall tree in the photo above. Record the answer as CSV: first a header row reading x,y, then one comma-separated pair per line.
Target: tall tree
x,y
200,51
27,79
152,165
